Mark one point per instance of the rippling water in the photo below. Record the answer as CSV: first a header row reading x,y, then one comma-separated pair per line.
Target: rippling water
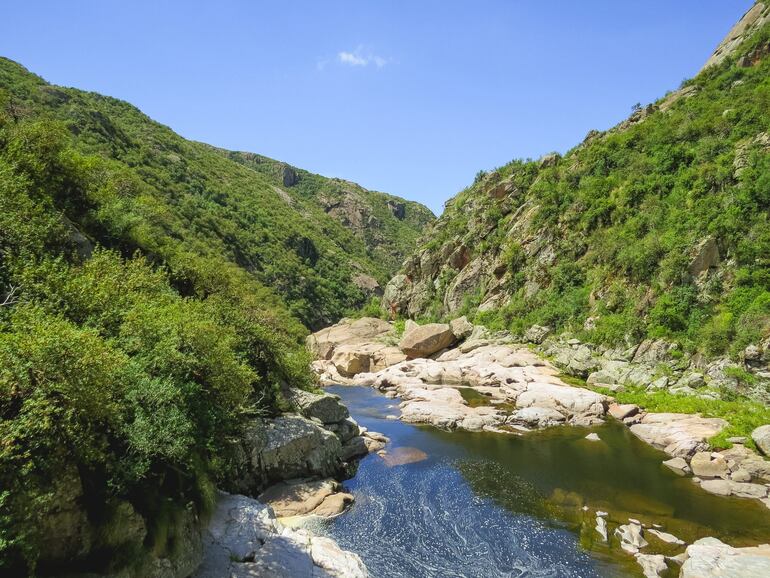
x,y
487,506
422,519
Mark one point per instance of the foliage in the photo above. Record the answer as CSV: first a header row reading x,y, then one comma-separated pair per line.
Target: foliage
x,y
610,230
123,377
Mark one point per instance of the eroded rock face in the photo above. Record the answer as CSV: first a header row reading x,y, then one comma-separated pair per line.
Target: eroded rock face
x,y
711,558
244,539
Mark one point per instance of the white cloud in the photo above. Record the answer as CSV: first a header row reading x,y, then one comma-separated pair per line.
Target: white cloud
x,y
361,57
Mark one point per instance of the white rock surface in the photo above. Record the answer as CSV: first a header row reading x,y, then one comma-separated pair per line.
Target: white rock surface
x,y
711,558
244,539
677,434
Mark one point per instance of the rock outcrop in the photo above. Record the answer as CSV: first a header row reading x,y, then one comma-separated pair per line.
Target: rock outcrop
x,y
711,558
677,434
244,539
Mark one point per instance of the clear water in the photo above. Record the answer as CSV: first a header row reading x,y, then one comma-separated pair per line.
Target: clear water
x,y
491,505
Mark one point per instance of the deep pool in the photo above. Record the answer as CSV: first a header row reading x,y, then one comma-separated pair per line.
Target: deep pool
x,y
492,505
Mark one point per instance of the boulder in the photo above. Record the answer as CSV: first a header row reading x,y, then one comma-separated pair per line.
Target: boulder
x,y
426,340
323,343
536,417
677,434
622,411
593,437
761,437
653,565
345,429
705,466
353,448
678,466
537,334
322,406
711,558
298,498
461,327
334,505
291,446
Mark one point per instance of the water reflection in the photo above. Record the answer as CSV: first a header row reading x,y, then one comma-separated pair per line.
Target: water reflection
x,y
490,505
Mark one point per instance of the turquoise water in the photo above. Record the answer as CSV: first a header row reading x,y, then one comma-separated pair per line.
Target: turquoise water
x,y
491,505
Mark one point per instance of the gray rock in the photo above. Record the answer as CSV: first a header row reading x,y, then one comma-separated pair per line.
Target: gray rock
x,y
461,327
660,383
295,447
537,334
345,429
704,465
426,340
323,406
711,558
761,437
354,448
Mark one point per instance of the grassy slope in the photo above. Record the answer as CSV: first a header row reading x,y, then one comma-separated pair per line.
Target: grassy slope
x,y
159,295
210,205
623,213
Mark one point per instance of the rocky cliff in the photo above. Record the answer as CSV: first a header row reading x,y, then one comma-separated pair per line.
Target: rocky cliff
x,y
656,228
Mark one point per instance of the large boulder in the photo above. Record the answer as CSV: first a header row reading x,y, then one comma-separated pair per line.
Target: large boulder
x,y
711,558
425,340
322,406
323,343
761,437
288,446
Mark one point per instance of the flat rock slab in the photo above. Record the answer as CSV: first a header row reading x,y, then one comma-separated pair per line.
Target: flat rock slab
x,y
298,498
711,558
677,434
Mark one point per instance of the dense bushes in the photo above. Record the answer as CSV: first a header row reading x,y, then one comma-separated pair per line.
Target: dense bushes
x,y
122,379
609,231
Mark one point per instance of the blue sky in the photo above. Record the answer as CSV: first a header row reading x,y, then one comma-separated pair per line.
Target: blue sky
x,y
409,97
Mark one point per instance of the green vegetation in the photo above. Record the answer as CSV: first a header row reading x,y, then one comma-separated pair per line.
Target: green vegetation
x,y
610,230
743,415
153,293
202,210
122,378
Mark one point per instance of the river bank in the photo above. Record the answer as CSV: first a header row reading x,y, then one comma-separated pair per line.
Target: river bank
x,y
503,391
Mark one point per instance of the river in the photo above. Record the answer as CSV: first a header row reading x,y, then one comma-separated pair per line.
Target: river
x,y
462,504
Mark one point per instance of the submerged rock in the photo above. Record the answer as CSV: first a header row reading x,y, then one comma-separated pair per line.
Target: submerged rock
x,y
631,537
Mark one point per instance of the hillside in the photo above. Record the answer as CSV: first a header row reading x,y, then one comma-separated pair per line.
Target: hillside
x,y
154,298
657,228
324,245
